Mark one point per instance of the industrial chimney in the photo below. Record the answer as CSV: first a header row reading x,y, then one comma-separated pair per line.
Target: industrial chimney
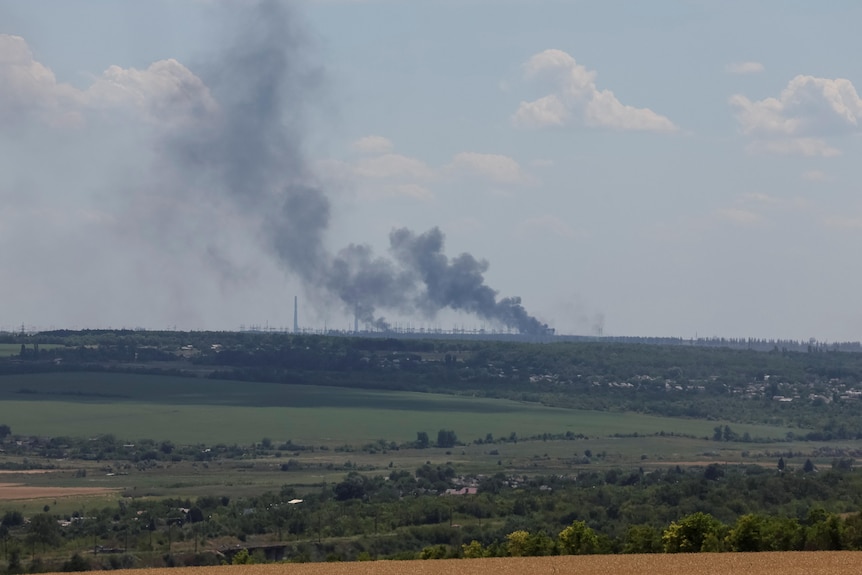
x,y
295,316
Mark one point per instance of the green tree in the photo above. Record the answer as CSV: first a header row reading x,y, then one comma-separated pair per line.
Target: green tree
x,y
781,534
43,529
825,534
422,439
689,534
518,543
242,557
642,539
578,539
446,438
76,563
747,534
473,550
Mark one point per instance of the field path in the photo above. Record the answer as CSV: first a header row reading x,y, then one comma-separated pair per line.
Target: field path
x,y
791,563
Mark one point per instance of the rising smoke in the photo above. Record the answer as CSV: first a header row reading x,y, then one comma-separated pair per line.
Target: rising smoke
x,y
250,151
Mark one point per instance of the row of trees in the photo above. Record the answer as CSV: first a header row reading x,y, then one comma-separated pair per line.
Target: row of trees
x,y
402,515
695,533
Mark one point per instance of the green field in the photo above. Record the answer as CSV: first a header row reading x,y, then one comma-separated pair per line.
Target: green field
x,y
13,349
187,410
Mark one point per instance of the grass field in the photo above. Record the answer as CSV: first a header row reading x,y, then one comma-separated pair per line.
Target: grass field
x,y
188,410
793,563
12,349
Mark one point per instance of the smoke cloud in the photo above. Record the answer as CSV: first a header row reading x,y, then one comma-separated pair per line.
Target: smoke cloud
x,y
249,150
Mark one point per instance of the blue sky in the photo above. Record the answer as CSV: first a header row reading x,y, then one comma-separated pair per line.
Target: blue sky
x,y
665,168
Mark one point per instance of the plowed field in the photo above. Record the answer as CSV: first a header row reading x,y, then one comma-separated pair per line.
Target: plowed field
x,y
820,563
17,491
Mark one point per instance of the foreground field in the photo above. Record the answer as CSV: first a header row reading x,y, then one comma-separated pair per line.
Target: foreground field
x,y
819,563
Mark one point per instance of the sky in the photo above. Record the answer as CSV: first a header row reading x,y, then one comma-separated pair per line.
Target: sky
x,y
668,168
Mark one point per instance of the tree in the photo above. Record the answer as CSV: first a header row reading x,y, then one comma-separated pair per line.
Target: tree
x,y
642,539
689,534
781,464
747,534
825,531
578,539
76,563
524,544
518,543
808,467
242,557
43,529
5,431
353,487
446,438
473,550
422,440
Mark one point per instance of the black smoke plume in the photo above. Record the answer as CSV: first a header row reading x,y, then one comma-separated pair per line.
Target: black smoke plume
x,y
251,151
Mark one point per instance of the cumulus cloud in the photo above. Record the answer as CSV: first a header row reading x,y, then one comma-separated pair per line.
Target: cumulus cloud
x,y
744,68
166,92
388,174
738,216
575,97
799,121
815,176
494,167
29,89
373,145
392,166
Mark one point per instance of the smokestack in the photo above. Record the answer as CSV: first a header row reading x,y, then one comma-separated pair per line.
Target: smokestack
x,y
355,323
295,316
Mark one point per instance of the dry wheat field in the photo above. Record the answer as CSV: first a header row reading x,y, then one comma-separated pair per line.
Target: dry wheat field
x,y
792,563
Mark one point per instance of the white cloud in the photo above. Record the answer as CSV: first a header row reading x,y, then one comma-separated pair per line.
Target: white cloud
x,y
738,216
494,167
30,89
373,145
771,202
806,112
385,192
794,146
744,68
575,96
166,92
392,166
815,176
382,177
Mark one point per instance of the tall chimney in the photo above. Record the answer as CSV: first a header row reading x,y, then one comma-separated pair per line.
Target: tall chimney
x,y
295,316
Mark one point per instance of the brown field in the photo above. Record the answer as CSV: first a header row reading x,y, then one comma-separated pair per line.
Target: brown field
x,y
793,563
17,491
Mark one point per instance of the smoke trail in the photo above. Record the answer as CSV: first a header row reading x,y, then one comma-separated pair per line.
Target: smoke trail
x,y
250,151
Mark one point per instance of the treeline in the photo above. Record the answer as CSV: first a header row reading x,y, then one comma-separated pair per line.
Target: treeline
x,y
407,515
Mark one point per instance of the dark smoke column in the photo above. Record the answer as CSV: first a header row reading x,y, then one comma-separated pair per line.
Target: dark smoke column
x,y
250,153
